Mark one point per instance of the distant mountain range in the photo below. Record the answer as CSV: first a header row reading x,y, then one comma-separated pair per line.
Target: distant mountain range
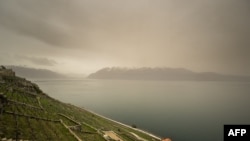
x,y
32,73
170,74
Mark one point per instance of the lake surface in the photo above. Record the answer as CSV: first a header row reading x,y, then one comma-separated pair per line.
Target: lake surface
x,y
181,110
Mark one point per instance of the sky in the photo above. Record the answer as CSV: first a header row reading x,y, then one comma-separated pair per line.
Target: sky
x,y
82,36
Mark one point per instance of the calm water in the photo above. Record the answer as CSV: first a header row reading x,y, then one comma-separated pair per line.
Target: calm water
x,y
183,111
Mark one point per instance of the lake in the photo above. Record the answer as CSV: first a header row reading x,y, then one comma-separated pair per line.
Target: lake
x,y
181,110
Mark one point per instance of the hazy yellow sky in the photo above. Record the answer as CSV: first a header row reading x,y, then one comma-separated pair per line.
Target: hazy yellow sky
x,y
81,36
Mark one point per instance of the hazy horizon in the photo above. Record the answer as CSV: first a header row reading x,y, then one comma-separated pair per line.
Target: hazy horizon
x,y
85,36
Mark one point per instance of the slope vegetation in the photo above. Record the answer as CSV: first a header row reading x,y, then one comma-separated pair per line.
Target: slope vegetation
x,y
26,113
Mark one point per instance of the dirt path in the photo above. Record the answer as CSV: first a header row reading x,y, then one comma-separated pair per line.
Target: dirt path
x,y
138,137
112,135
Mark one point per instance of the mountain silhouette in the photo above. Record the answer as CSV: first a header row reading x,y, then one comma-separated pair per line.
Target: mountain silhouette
x,y
171,74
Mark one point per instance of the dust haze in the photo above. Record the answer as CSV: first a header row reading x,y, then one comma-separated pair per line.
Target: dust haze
x,y
84,36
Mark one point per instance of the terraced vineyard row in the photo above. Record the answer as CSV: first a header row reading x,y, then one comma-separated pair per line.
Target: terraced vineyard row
x,y
24,117
26,113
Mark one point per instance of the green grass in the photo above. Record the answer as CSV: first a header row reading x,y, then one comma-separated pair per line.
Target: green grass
x,y
36,125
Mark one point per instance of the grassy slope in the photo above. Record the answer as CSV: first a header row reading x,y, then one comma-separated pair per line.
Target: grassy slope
x,y
29,114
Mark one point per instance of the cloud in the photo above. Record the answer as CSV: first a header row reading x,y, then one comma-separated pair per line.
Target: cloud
x,y
208,35
38,60
28,21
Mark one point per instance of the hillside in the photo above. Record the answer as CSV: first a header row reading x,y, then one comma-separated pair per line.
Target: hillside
x,y
26,113
170,74
32,73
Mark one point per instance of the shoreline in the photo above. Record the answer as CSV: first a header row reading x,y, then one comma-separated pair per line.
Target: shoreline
x,y
140,130
92,112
